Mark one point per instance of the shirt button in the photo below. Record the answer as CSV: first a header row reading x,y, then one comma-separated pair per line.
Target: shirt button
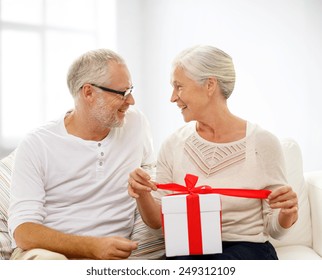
x,y
101,163
99,144
102,154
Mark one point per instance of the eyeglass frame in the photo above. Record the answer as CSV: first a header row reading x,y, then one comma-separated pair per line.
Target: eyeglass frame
x,y
125,94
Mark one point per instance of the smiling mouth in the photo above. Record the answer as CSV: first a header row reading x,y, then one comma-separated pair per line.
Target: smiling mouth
x,y
182,107
122,111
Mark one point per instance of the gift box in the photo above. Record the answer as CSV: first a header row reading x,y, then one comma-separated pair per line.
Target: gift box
x,y
192,224
192,216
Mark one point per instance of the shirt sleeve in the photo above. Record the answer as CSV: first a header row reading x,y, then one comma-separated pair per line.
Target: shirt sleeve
x,y
271,157
27,187
148,163
164,171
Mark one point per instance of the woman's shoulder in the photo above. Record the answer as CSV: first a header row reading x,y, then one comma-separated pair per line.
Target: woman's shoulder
x,y
182,133
264,136
264,139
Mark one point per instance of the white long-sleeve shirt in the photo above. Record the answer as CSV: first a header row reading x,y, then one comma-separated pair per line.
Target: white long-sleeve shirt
x,y
254,162
78,186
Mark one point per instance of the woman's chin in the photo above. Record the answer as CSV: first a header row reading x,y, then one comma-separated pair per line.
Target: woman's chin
x,y
186,117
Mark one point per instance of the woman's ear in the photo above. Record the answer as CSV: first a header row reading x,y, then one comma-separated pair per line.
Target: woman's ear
x,y
212,85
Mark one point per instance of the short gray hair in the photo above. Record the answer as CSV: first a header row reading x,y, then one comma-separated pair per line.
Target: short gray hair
x,y
91,67
202,62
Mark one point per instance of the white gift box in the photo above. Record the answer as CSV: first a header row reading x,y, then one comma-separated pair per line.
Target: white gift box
x,y
175,224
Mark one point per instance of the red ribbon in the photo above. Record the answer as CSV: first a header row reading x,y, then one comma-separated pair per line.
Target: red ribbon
x,y
193,205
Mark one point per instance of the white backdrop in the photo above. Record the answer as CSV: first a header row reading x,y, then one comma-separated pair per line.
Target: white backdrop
x,y
276,47
275,44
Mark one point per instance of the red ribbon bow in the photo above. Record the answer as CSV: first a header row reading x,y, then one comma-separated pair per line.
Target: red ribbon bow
x,y
190,188
193,205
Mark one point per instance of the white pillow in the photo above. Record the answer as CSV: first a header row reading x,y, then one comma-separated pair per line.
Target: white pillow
x,y
151,244
301,233
5,176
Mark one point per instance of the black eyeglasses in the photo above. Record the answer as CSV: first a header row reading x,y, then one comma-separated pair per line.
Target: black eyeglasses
x,y
125,94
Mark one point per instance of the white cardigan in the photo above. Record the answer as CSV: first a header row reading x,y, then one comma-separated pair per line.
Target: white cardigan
x,y
255,162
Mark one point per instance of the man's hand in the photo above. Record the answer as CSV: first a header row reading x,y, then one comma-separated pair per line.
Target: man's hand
x,y
113,248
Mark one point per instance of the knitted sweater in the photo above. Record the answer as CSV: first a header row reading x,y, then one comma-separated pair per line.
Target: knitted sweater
x,y
254,162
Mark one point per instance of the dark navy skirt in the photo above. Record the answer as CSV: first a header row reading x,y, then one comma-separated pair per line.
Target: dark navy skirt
x,y
237,251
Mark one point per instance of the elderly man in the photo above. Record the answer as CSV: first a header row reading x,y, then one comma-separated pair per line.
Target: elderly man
x,y
69,185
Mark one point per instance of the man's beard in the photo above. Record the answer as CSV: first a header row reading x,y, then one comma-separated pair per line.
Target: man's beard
x,y
105,116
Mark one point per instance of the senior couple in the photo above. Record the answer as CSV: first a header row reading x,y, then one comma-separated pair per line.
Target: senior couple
x,y
77,180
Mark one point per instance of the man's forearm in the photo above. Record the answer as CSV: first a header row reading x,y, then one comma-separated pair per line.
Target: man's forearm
x,y
31,235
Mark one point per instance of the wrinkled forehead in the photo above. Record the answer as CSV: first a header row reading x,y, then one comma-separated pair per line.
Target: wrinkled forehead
x,y
177,72
179,75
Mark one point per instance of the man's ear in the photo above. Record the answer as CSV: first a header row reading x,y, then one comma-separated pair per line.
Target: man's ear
x,y
87,92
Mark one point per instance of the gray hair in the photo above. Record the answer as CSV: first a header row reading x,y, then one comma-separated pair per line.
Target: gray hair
x,y
203,62
91,67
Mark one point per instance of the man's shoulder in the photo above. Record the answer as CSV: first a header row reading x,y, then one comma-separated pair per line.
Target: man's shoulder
x,y
134,112
134,117
47,129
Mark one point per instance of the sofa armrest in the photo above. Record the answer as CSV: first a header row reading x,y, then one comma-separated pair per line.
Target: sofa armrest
x,y
314,183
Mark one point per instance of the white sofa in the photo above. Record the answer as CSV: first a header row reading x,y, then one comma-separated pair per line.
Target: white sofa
x,y
304,242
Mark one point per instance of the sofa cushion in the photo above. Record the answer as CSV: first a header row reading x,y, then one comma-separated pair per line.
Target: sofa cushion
x,y
301,232
314,181
151,242
296,252
5,175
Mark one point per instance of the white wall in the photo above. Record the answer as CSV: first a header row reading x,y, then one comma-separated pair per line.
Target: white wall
x,y
276,46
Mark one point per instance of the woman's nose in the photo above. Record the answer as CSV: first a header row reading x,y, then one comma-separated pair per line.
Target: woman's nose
x,y
174,96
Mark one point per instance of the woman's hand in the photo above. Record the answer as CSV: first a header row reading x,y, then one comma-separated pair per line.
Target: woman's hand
x,y
140,183
286,199
140,187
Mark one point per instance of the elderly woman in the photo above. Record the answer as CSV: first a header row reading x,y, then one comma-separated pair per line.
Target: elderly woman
x,y
224,151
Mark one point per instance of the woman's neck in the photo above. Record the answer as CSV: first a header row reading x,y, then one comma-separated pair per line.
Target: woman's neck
x,y
222,128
